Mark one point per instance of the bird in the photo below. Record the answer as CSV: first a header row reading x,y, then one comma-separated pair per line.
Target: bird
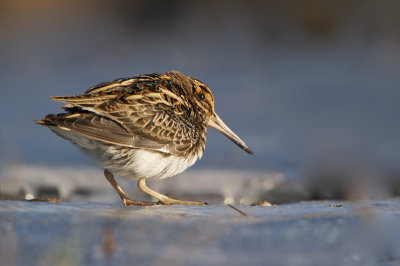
x,y
149,126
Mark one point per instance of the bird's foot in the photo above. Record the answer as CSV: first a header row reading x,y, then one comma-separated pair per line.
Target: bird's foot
x,y
170,201
128,202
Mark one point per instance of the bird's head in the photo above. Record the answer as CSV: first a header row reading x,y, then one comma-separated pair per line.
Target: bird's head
x,y
204,102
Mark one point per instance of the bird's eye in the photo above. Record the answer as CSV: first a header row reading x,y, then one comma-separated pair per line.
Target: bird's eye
x,y
201,96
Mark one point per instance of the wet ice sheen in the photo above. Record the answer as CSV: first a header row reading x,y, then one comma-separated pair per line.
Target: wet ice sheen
x,y
308,233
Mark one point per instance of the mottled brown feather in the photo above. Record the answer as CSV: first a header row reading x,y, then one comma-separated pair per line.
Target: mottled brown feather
x,y
93,126
153,111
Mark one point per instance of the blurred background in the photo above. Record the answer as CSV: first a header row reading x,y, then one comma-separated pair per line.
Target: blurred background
x,y
311,86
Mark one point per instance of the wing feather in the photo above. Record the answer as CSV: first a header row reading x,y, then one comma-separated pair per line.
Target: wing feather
x,y
93,126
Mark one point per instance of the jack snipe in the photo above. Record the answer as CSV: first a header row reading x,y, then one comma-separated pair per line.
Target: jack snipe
x,y
147,126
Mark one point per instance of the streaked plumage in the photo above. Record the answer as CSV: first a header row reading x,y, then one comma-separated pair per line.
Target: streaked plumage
x,y
146,126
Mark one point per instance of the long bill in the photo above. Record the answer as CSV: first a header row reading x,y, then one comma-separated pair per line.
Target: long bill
x,y
218,124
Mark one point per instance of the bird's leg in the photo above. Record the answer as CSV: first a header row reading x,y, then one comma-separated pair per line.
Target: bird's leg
x,y
164,200
125,199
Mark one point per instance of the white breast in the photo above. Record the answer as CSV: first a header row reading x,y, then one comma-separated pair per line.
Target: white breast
x,y
150,164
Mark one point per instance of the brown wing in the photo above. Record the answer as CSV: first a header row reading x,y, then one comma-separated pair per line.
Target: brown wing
x,y
91,125
150,110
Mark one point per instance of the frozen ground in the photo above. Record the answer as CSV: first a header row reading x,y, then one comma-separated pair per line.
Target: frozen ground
x,y
308,233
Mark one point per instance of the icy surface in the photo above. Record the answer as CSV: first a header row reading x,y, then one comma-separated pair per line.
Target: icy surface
x,y
308,233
